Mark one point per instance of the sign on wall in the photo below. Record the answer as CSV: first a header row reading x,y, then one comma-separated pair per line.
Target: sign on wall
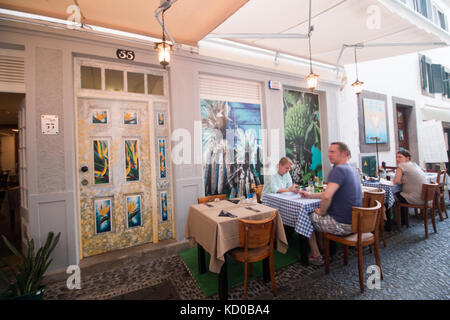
x,y
49,124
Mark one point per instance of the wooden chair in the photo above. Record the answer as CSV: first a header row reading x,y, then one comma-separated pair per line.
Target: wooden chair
x,y
256,238
212,198
369,201
365,223
428,196
440,198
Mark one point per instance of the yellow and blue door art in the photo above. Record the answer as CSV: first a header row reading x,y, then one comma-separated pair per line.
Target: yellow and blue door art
x,y
131,160
134,211
100,117
101,162
164,206
130,117
102,215
160,118
162,158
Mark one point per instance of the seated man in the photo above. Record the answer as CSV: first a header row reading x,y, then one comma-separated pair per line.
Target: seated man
x,y
342,193
281,181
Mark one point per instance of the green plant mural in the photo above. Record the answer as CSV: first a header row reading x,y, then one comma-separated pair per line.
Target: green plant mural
x,y
302,135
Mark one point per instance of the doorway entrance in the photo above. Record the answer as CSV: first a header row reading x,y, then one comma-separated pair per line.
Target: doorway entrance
x,y
123,172
10,164
402,126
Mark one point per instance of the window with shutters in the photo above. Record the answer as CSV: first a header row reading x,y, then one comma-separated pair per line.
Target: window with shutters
x,y
433,78
426,76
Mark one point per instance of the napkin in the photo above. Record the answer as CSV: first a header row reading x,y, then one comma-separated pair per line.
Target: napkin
x,y
224,213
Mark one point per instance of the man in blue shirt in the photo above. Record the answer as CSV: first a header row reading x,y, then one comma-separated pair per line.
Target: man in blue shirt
x,y
342,193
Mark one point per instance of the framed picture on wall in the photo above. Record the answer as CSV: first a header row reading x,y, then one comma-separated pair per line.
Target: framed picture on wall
x,y
375,122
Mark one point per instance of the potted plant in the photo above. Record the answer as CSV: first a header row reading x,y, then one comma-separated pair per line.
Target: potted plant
x,y
29,274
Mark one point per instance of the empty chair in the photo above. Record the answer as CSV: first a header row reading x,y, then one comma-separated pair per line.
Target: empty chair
x,y
365,223
212,198
440,198
369,201
256,239
428,196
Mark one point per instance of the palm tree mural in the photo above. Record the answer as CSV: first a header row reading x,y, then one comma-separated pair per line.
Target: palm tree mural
x,y
231,147
302,135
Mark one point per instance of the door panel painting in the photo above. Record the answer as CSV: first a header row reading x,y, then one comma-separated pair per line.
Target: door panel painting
x,y
132,160
115,191
134,211
101,162
102,209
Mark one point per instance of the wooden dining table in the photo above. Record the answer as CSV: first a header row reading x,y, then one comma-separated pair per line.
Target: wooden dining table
x,y
217,235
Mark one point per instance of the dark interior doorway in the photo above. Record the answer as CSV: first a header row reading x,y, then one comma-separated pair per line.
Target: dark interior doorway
x,y
10,224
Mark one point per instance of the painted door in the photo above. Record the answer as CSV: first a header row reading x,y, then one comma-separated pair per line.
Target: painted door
x,y
114,177
402,125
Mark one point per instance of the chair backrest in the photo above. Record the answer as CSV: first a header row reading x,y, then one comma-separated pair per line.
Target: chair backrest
x,y
370,197
257,233
441,177
212,198
366,220
429,191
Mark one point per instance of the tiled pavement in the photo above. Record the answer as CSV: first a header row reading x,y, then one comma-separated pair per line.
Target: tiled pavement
x,y
413,268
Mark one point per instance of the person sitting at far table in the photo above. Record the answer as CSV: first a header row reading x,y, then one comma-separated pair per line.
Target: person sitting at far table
x,y
281,181
411,177
342,193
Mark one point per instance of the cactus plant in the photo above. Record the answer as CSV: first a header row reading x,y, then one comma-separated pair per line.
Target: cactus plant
x,y
29,274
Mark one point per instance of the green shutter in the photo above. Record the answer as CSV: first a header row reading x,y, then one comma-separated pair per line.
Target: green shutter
x,y
436,76
423,66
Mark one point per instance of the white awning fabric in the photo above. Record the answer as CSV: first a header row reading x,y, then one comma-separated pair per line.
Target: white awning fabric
x,y
435,113
336,22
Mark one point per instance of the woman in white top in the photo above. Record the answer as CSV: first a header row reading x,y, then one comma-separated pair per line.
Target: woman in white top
x,y
411,177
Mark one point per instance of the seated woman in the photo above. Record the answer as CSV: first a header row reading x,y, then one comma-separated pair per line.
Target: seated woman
x,y
411,177
280,181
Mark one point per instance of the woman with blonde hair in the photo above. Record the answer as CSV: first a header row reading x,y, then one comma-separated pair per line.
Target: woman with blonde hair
x,y
281,181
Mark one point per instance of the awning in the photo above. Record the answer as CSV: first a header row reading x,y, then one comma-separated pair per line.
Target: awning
x,y
187,21
336,23
435,113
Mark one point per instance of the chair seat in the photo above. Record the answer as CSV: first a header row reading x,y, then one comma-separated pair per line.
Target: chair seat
x,y
352,239
254,255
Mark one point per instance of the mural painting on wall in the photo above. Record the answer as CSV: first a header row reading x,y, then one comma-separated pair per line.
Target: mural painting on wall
x,y
100,117
134,212
131,160
101,162
162,158
163,206
102,209
302,135
375,124
130,117
231,147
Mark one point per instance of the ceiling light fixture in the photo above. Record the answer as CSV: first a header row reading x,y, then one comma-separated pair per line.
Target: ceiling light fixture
x,y
357,85
311,78
164,48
